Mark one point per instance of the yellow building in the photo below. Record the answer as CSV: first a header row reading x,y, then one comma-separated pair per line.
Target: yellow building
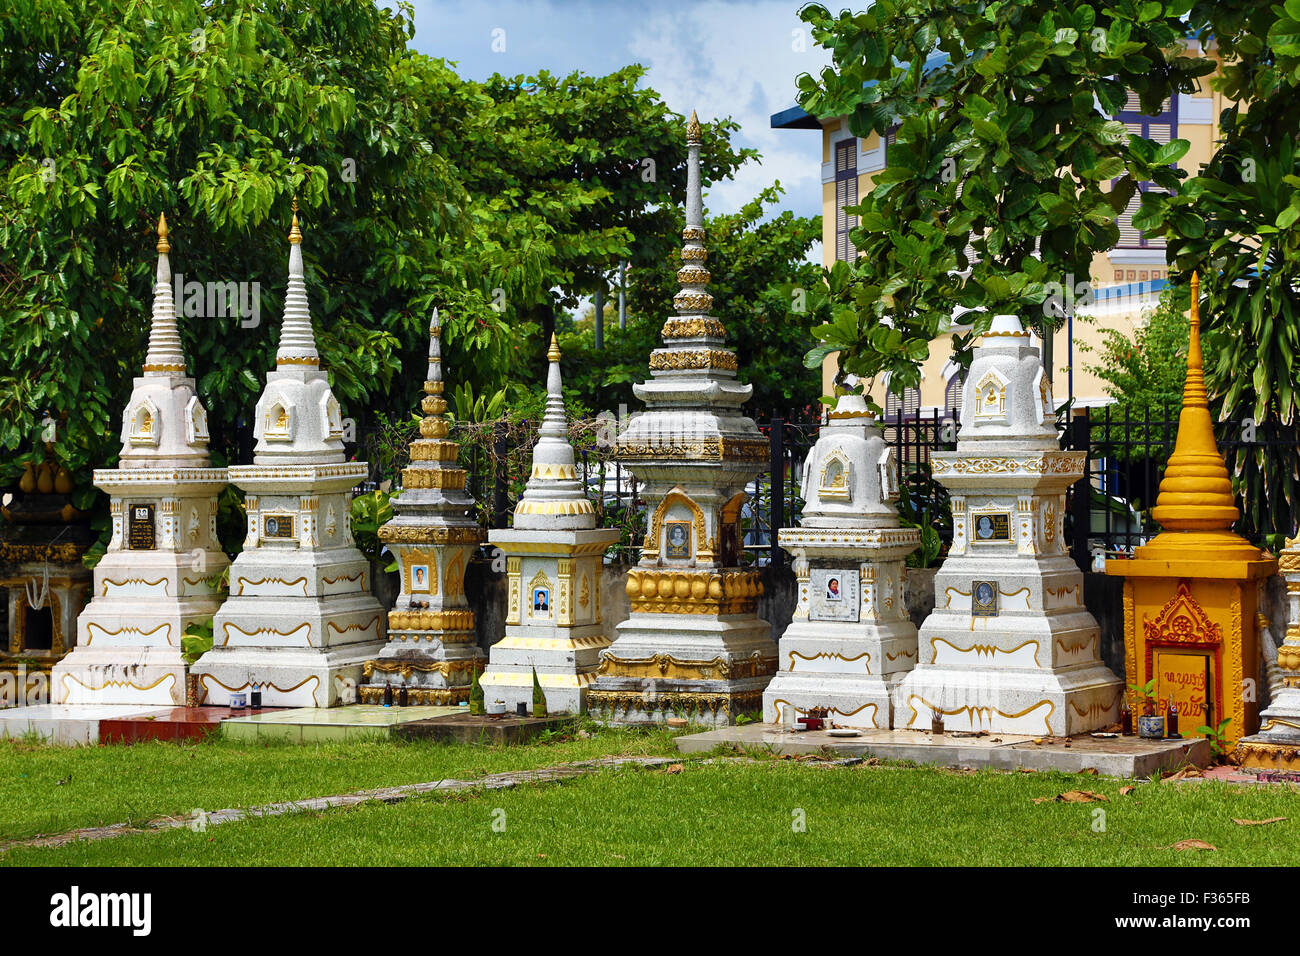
x,y
1124,283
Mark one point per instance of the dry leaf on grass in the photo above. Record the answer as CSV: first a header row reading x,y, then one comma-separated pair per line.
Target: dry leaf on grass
x,y
1088,771
1192,845
1257,823
674,768
1026,770
1125,791
1075,796
1187,773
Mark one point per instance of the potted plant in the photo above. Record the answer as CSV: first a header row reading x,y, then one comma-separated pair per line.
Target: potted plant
x,y
1151,724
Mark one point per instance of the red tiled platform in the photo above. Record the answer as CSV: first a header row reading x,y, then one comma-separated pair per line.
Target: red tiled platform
x,y
183,723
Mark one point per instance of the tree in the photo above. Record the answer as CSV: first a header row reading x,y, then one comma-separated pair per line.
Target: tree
x,y
1238,223
760,279
1000,144
418,189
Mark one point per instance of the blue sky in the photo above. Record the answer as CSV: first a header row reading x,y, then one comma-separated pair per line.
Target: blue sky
x,y
719,58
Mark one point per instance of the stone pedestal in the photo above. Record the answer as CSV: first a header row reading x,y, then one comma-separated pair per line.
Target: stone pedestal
x,y
1009,647
300,621
554,560
431,655
850,640
694,644
163,567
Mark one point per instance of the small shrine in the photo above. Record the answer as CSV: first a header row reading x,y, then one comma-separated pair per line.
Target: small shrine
x,y
300,621
163,567
850,641
554,559
694,644
431,655
43,582
1009,646
1277,743
1191,595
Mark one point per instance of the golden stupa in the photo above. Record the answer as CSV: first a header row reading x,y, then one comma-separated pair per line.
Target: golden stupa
x,y
1191,594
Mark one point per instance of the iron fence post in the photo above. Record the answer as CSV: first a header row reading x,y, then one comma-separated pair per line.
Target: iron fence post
x,y
500,451
1081,500
777,497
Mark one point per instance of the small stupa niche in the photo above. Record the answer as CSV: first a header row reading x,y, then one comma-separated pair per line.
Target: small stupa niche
x,y
431,655
694,644
1191,595
300,621
850,640
554,561
43,582
163,567
1010,646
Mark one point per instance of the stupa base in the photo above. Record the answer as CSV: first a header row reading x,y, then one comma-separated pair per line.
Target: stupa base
x,y
850,700
1051,703
436,674
566,667
1276,746
286,676
146,676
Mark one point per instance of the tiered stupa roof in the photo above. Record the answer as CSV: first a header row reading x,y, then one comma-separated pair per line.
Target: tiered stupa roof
x,y
164,424
554,497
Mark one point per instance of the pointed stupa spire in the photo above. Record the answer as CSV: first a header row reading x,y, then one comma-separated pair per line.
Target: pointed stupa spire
x,y
1196,492
165,356
297,343
692,303
554,497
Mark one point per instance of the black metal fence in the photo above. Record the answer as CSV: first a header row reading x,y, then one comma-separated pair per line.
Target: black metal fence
x,y
1107,515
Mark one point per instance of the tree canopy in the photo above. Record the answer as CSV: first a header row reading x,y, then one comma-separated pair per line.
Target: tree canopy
x,y
495,201
1004,142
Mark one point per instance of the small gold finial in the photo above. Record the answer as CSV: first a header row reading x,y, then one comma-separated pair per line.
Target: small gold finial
x,y
163,245
693,129
553,353
295,234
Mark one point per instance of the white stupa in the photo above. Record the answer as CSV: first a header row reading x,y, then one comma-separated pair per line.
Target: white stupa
x,y
163,567
554,559
1010,646
300,621
850,640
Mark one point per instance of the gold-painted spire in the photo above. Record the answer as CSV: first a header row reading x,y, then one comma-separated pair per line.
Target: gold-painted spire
x,y
295,234
693,130
1196,492
553,353
163,245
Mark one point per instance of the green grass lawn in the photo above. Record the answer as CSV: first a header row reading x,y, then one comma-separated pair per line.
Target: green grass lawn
x,y
115,784
742,814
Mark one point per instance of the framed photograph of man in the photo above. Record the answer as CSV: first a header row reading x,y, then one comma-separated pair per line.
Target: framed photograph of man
x,y
678,538
541,600
420,579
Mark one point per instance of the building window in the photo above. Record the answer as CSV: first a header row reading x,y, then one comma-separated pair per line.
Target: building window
x,y
952,395
1161,127
846,194
908,406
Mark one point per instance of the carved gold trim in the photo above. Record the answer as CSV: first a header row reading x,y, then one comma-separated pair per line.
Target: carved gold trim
x,y
227,625
127,629
875,711
984,712
755,450
204,678
255,583
418,696
125,581
981,650
692,591
331,626
669,667
699,359
678,328
399,534
118,683
668,702
454,478
830,655
447,620
406,668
